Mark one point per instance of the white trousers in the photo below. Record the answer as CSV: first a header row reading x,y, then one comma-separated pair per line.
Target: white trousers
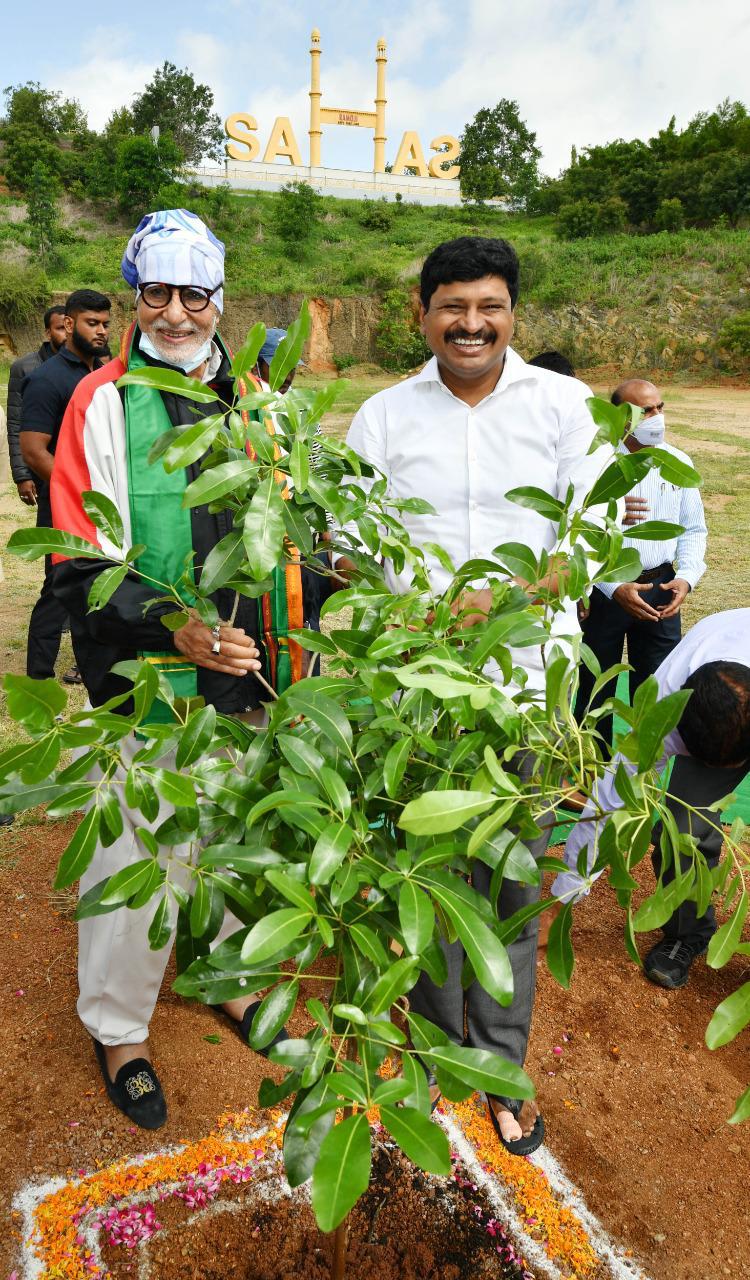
x,y
119,976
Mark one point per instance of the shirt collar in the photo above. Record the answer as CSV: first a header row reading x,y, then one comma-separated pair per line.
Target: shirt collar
x,y
515,369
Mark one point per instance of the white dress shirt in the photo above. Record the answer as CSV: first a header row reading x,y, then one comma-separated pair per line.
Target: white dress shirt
x,y
724,637
534,428
670,502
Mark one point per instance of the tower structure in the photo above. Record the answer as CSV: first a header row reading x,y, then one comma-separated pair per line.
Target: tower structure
x,y
320,115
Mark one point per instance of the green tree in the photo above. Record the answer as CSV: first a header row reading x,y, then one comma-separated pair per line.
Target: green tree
x,y
30,106
670,215
400,344
499,156
296,216
576,219
142,169
183,109
611,216
42,212
354,818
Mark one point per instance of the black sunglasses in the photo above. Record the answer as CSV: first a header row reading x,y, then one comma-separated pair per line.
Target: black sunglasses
x,y
192,296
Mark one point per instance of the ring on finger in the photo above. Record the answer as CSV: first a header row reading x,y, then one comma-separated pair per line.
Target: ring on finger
x,y
216,646
216,631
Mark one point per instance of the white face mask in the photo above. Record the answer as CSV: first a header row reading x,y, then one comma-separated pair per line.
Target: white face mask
x,y
187,365
650,431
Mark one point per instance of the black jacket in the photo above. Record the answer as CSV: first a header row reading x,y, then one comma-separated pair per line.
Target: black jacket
x,y
19,371
123,628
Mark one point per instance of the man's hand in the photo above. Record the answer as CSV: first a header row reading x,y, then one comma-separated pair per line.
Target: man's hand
x,y
679,588
238,654
628,596
636,510
27,492
475,604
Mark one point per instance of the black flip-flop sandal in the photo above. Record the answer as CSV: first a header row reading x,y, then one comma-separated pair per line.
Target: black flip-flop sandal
x,y
135,1090
242,1029
527,1143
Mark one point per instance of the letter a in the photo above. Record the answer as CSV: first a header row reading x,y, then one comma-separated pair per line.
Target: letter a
x,y
282,142
411,156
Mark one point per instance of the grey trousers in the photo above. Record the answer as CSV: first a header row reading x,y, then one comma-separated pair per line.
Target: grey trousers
x,y
489,1025
700,785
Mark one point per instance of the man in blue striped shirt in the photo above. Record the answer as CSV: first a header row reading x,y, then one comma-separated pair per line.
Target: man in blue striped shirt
x,y
645,613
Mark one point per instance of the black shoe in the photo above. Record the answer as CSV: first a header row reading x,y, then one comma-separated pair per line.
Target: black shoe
x,y
242,1029
7,819
528,1142
135,1090
72,676
668,963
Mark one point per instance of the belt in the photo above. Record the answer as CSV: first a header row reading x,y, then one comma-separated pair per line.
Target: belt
x,y
653,575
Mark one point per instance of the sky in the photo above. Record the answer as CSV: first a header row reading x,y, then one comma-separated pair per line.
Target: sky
x,y
582,71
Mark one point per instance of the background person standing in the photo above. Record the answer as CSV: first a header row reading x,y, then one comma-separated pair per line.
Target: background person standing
x,y
645,614
54,339
46,392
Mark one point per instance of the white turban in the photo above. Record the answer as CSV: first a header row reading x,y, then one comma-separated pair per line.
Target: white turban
x,y
173,246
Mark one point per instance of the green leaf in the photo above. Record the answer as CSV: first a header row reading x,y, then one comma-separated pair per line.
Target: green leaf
x,y
273,932
169,380
79,851
103,513
291,889
104,586
435,812
263,529
724,942
160,929
395,764
299,465
537,500
145,688
484,1071
193,442
342,1171
297,528
351,1012
222,562
560,957
674,470
416,917
274,1010
239,857
176,788
742,1110
330,850
659,721
518,559
323,712
289,350
34,703
656,530
425,1143
368,942
246,358
30,544
486,954
196,736
396,981
126,882
227,477
729,1018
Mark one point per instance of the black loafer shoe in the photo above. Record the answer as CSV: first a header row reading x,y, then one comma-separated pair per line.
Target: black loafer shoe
x,y
528,1142
135,1090
668,963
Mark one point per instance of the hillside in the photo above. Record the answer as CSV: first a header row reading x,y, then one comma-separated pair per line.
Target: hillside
x,y
657,300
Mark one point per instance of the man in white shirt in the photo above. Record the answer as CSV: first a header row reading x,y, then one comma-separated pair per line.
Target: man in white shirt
x,y
645,613
475,423
711,750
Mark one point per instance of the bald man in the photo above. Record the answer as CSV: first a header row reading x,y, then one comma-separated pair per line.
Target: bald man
x,y
645,614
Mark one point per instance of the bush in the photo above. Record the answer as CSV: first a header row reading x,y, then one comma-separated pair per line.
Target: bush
x,y
376,217
576,219
611,216
344,362
399,342
296,216
22,150
42,215
670,215
24,292
735,334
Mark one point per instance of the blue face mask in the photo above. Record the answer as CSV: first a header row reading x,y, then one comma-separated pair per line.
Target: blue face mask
x,y
192,362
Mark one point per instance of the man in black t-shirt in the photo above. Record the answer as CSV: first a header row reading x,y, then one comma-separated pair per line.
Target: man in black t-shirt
x,y
46,392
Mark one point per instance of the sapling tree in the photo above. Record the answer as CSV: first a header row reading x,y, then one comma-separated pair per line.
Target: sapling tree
x,y
351,821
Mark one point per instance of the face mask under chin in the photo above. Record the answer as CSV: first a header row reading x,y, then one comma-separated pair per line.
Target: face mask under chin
x,y
187,363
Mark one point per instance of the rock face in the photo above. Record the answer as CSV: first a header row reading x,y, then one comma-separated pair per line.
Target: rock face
x,y
662,339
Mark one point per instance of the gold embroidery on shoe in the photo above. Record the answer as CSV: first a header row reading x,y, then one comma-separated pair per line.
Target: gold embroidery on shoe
x,y
139,1084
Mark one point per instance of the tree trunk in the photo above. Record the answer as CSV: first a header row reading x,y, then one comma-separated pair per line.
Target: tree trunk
x,y
340,1241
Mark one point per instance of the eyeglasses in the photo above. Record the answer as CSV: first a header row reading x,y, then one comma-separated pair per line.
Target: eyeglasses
x,y
648,409
192,296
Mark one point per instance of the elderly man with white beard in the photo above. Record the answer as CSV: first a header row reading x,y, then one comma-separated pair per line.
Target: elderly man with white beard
x,y
176,266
